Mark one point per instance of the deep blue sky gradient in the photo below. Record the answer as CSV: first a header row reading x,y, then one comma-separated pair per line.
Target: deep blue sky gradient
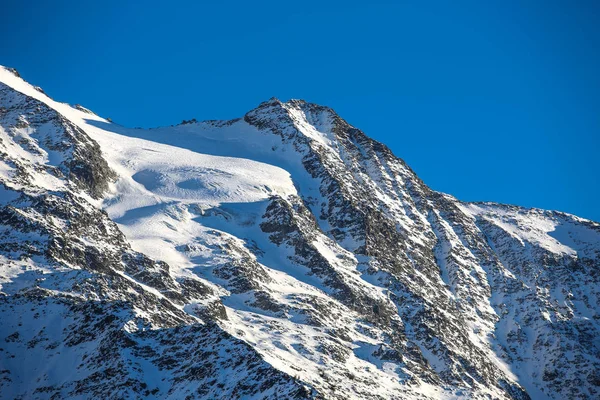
x,y
485,100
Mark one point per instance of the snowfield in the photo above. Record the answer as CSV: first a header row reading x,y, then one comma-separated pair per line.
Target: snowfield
x,y
280,255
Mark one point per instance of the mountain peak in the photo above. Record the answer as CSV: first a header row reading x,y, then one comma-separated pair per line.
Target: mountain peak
x,y
300,104
287,255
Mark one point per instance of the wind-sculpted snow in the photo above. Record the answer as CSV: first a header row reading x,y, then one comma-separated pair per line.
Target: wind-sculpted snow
x,y
280,255
83,314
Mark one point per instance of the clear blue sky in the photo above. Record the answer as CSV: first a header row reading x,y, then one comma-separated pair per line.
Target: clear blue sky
x,y
486,100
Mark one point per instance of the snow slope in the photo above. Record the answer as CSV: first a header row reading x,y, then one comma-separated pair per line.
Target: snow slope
x,y
309,250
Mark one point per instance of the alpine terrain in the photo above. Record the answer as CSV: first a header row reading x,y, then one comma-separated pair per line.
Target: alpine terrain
x,y
281,255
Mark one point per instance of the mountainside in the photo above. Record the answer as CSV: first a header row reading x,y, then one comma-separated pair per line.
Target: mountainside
x,y
284,254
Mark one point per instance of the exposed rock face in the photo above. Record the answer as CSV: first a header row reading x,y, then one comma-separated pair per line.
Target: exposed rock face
x,y
85,301
314,264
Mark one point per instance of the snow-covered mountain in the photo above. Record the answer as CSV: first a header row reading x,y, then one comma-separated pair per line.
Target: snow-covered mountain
x,y
281,255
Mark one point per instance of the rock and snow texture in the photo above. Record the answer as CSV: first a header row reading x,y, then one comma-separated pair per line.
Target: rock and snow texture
x,y
280,255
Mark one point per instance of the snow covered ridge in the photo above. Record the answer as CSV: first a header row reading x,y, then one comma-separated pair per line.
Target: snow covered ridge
x,y
283,254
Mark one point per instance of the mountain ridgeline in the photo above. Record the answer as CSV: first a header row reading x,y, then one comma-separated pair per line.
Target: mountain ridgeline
x,y
281,255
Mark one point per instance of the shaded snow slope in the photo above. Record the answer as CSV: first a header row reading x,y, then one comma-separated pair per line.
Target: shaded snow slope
x,y
286,240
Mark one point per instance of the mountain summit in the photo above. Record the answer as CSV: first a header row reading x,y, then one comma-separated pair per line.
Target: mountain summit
x,y
284,254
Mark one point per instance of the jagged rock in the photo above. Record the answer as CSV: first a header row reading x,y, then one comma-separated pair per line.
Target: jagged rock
x,y
281,255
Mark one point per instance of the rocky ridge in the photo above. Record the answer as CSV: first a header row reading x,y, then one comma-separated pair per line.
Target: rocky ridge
x,y
284,254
